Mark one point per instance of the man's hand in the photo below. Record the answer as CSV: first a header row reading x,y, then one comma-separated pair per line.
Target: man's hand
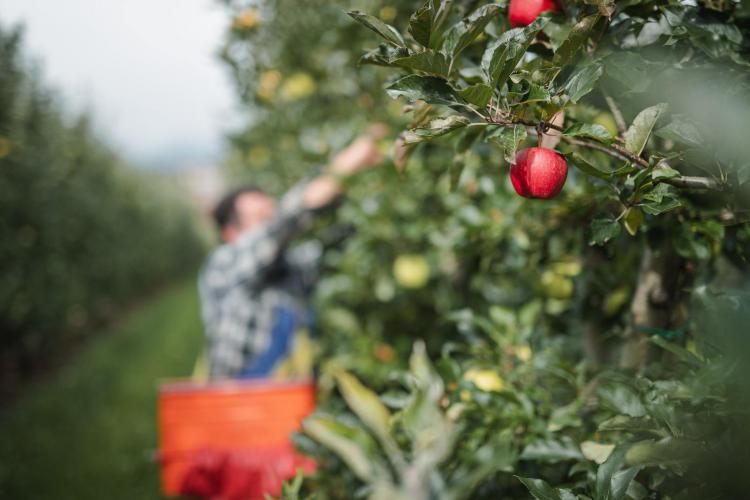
x,y
360,154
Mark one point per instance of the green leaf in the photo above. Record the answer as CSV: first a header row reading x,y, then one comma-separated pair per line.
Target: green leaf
x,y
490,458
436,128
541,490
681,130
384,55
668,451
629,424
427,88
660,207
466,30
590,130
631,70
587,168
502,56
662,198
576,38
537,93
621,481
603,230
663,171
582,81
350,443
431,432
428,62
364,403
425,23
478,94
632,220
622,399
509,139
596,452
420,24
387,31
637,135
679,351
551,450
611,482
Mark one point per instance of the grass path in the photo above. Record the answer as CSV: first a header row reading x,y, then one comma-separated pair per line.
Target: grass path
x,y
84,433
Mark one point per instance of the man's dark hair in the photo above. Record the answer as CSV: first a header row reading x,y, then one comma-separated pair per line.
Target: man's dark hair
x,y
225,211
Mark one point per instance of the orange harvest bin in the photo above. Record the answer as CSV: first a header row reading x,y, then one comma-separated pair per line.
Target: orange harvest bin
x,y
231,439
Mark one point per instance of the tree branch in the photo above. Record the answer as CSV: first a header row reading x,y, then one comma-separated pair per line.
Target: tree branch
x,y
619,152
692,182
616,113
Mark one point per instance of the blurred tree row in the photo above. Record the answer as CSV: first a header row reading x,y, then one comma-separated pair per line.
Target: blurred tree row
x,y
81,233
590,346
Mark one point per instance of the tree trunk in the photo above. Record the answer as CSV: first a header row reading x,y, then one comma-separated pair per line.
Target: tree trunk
x,y
655,299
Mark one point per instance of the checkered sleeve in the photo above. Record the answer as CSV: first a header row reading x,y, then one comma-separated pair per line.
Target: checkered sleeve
x,y
242,264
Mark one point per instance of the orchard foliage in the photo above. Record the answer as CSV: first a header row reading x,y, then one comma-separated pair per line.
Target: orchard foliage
x,y
80,232
588,346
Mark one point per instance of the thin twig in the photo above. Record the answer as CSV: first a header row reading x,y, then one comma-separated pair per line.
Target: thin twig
x,y
616,113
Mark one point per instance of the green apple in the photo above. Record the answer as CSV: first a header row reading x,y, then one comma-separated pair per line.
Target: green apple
x,y
607,121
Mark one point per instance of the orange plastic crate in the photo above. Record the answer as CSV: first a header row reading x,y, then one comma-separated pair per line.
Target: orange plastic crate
x,y
230,439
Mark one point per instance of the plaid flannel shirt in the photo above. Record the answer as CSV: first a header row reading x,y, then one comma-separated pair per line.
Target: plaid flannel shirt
x,y
244,284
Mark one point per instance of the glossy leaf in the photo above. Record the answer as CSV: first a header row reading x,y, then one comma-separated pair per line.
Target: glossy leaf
x,y
478,94
589,130
637,135
582,81
466,30
420,24
384,55
388,32
663,171
589,169
603,230
436,128
427,61
509,138
427,88
541,490
552,450
575,40
501,56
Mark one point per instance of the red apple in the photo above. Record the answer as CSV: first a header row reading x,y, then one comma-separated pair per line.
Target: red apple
x,y
523,12
538,173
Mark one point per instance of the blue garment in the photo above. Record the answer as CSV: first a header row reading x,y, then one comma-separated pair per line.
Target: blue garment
x,y
282,338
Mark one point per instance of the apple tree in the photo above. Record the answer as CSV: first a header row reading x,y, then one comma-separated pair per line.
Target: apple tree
x,y
545,293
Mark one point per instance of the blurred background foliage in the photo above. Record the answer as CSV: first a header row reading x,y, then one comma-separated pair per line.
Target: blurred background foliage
x,y
560,367
81,233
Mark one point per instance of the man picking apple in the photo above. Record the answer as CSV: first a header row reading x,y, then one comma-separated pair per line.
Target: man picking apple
x,y
254,287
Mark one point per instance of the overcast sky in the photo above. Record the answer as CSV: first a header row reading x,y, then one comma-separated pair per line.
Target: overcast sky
x,y
147,68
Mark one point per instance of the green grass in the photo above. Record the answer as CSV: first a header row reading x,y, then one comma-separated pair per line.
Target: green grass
x,y
85,432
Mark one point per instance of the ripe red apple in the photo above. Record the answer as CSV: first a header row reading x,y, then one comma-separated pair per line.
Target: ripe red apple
x,y
538,173
523,12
